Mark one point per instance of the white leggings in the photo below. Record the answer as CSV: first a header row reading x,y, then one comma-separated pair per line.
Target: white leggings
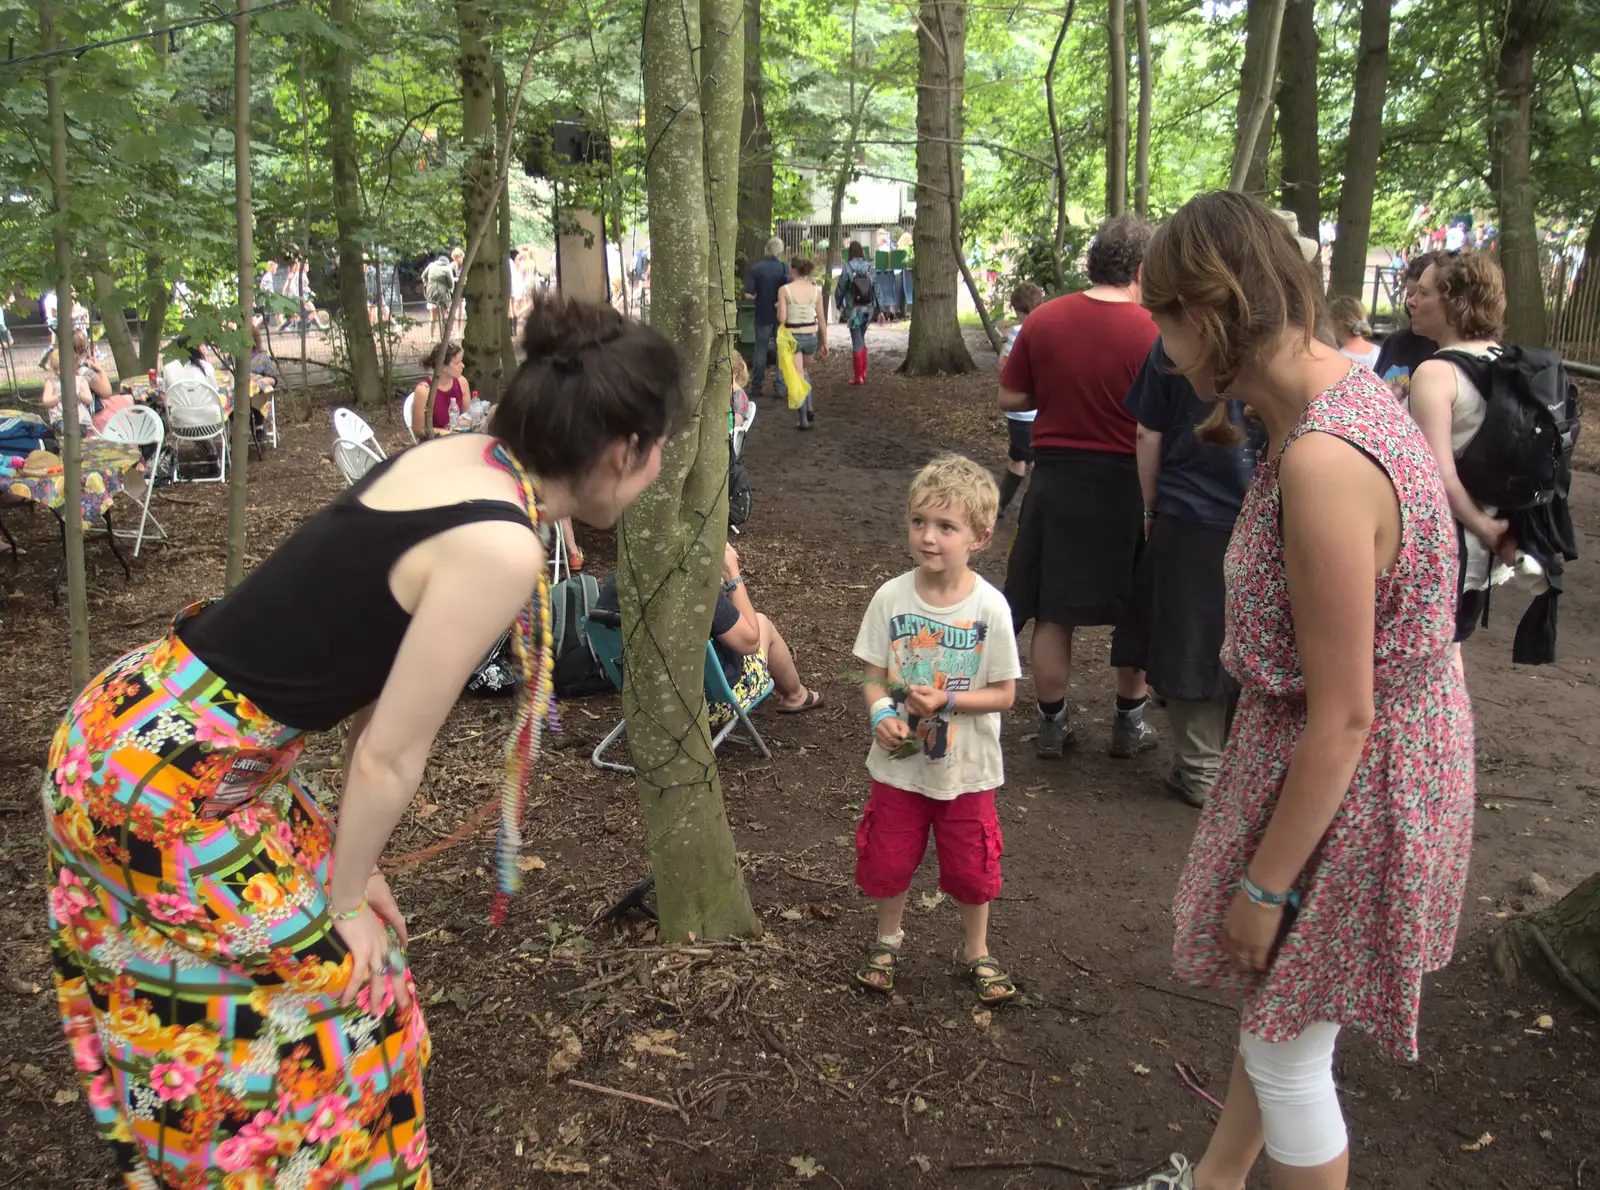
x,y
1293,1081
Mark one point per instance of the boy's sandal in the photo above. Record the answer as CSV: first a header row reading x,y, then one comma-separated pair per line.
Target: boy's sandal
x,y
992,989
871,965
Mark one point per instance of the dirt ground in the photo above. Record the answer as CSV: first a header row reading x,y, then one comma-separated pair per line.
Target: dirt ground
x,y
761,1065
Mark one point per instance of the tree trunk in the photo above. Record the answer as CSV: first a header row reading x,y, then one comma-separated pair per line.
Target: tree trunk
x,y
1117,107
1517,194
1260,66
66,362
847,158
1057,240
1349,264
1297,116
1571,929
158,294
935,343
1141,153
508,340
343,148
109,301
485,281
755,147
244,219
670,540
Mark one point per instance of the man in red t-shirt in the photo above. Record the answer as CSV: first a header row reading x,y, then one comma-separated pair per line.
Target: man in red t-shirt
x,y
1082,521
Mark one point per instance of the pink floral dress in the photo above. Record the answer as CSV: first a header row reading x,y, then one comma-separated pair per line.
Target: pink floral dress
x,y
1382,894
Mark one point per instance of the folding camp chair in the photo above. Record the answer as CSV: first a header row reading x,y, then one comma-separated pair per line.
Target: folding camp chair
x,y
605,637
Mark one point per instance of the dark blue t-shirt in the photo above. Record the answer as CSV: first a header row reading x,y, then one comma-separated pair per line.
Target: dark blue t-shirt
x,y
1199,482
766,278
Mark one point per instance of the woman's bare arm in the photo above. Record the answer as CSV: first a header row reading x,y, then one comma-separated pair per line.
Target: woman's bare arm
x,y
1433,394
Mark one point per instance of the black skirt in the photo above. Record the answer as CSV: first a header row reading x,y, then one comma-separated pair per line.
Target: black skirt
x,y
1174,622
1078,539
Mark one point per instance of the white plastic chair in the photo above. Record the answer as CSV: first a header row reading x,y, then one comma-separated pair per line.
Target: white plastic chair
x,y
354,459
347,423
269,412
194,414
140,426
405,414
740,433
558,554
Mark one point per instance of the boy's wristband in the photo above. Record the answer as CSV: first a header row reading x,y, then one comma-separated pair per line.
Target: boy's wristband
x,y
879,704
950,702
883,713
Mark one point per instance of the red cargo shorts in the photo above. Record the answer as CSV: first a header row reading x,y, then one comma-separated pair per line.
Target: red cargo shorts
x,y
894,834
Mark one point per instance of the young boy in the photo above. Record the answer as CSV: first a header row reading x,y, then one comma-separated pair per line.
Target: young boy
x,y
941,637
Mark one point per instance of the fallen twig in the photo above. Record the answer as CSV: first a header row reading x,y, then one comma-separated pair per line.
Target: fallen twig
x,y
1190,996
1190,1081
630,1097
1083,1171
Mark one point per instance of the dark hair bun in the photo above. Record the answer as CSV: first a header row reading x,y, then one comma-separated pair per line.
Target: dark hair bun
x,y
561,326
591,378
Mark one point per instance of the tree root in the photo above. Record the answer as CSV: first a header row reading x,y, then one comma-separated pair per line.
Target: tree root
x,y
1563,972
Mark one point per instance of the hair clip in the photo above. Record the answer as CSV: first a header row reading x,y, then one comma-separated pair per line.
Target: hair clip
x,y
569,364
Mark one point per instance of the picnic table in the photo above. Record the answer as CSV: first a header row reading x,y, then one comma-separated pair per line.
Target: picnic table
x,y
104,464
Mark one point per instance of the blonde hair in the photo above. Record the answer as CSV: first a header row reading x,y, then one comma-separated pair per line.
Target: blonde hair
x,y
957,482
741,371
1349,316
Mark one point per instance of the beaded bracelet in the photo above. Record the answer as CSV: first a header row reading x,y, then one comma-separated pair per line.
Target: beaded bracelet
x,y
350,914
1260,896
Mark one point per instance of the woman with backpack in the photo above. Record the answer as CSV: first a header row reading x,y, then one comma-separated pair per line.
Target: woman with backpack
x,y
230,964
858,305
1460,303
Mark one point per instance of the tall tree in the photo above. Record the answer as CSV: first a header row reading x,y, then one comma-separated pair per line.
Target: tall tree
x,y
1563,939
1348,267
1058,189
935,343
858,97
244,229
1297,116
1517,196
485,291
1263,24
66,363
343,149
1141,153
108,299
1117,107
756,164
508,346
670,542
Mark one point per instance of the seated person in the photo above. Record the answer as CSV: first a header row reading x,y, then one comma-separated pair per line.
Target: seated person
x,y
747,643
741,405
262,365
192,365
451,388
96,402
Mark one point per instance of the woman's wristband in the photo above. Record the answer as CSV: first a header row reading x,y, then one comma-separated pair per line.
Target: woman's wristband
x,y
1260,896
349,914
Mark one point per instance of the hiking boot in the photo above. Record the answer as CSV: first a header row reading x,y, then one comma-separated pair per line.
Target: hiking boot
x,y
1175,782
1055,733
1131,735
1178,1175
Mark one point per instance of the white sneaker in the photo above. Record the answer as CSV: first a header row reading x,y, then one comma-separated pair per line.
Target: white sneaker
x,y
1179,1175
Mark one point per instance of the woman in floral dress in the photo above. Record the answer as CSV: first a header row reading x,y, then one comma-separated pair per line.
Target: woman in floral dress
x,y
1326,875
230,968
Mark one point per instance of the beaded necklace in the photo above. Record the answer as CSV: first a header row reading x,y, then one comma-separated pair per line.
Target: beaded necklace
x,y
532,645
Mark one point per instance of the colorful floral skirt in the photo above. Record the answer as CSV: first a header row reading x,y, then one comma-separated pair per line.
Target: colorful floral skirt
x,y
197,970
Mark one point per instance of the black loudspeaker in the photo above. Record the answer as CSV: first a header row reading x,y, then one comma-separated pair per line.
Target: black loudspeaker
x,y
563,142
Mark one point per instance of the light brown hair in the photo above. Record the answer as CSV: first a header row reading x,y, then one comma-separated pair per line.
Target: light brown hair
x,y
1473,293
801,266
1349,316
955,481
741,371
1234,271
1026,297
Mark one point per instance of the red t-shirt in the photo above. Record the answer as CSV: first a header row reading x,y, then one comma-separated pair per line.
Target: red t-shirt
x,y
1077,358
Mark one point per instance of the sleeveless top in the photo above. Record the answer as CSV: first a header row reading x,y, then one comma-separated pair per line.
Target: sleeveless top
x,y
1468,408
311,633
457,390
801,314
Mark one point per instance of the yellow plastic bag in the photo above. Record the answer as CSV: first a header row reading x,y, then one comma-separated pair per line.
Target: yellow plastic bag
x,y
799,386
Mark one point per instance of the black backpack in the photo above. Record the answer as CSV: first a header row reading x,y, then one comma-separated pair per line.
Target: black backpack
x,y
861,289
741,496
498,673
577,668
1522,456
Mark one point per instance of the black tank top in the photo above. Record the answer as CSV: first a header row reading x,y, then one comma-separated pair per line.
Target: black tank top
x,y
311,633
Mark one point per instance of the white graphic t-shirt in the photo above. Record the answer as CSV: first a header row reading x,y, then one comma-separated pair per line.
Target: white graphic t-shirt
x,y
964,647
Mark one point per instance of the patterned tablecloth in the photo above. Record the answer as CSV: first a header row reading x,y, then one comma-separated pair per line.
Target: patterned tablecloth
x,y
103,467
140,388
